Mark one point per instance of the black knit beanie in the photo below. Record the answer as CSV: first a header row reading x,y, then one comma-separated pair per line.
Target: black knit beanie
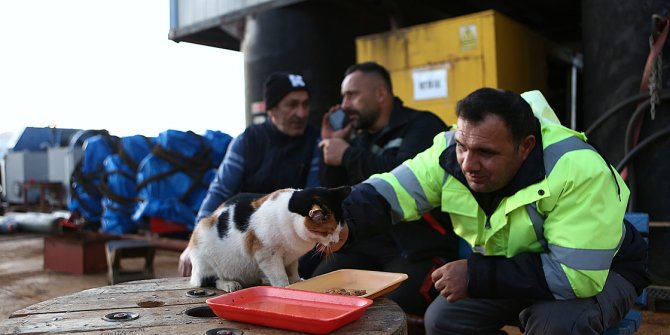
x,y
279,84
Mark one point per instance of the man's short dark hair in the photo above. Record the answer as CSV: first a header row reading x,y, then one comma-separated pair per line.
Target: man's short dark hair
x,y
509,106
372,68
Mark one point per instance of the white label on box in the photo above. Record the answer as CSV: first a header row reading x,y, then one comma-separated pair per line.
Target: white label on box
x,y
430,84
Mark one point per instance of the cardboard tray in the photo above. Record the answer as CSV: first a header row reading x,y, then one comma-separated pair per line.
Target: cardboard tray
x,y
375,283
285,308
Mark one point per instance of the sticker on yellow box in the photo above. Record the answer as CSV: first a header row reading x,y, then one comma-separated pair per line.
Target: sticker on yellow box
x,y
467,36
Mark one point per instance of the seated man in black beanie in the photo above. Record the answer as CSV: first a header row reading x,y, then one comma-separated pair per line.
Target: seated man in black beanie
x,y
279,153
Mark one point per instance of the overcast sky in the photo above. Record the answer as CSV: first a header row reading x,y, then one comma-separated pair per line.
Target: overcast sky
x,y
103,64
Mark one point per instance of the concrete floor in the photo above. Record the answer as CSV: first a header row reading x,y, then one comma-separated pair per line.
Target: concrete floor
x,y
24,281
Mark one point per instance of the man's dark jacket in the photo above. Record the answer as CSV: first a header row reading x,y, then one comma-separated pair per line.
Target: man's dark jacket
x,y
274,160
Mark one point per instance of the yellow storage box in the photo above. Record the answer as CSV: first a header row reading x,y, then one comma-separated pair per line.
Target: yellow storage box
x,y
434,65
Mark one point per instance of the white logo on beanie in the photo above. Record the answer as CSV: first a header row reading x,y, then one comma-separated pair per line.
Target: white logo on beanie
x,y
296,80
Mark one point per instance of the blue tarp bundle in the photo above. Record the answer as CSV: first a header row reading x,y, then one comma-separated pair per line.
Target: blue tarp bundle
x,y
85,197
119,184
173,179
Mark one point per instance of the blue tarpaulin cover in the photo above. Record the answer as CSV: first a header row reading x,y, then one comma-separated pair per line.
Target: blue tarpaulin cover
x,y
85,197
39,139
119,184
173,179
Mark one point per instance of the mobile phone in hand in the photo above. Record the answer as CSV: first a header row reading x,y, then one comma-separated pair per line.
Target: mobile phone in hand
x,y
338,119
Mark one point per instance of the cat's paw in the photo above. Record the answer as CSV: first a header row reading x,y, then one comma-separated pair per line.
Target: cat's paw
x,y
228,285
195,281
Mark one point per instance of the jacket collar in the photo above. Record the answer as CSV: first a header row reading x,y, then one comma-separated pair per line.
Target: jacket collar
x,y
400,116
275,133
272,129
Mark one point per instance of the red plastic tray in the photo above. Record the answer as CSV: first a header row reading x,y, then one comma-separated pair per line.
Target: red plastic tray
x,y
304,311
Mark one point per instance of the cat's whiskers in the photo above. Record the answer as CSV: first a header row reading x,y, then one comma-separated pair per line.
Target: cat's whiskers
x,y
324,249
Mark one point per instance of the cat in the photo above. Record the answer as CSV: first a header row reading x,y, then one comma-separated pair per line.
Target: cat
x,y
255,235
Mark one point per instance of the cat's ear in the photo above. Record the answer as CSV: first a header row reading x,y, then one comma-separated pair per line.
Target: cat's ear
x,y
317,215
341,192
301,202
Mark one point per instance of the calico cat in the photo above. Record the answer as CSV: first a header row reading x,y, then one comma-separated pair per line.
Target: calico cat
x,y
255,235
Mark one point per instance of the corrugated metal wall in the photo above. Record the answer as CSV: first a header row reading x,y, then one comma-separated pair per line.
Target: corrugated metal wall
x,y
190,12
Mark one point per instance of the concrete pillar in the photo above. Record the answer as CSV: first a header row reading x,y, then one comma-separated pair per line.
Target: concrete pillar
x,y
316,41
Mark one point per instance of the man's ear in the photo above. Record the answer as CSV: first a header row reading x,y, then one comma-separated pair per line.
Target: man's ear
x,y
381,93
270,113
526,146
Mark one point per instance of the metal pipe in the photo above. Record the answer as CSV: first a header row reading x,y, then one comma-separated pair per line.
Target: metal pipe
x,y
619,107
640,146
174,14
635,121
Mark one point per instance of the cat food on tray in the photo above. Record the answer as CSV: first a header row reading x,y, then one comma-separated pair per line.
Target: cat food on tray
x,y
278,307
363,283
344,291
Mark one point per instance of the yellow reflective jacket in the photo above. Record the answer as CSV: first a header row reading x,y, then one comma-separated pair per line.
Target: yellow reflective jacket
x,y
565,228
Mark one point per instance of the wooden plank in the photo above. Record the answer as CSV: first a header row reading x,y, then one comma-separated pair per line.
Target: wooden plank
x,y
81,303
383,317
83,312
162,243
659,224
200,330
168,292
71,322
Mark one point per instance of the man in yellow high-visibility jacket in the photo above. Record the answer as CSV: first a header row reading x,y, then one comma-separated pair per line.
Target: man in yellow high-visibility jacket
x,y
541,209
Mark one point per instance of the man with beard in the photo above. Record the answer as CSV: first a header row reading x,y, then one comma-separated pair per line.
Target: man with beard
x,y
380,135
279,153
541,210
